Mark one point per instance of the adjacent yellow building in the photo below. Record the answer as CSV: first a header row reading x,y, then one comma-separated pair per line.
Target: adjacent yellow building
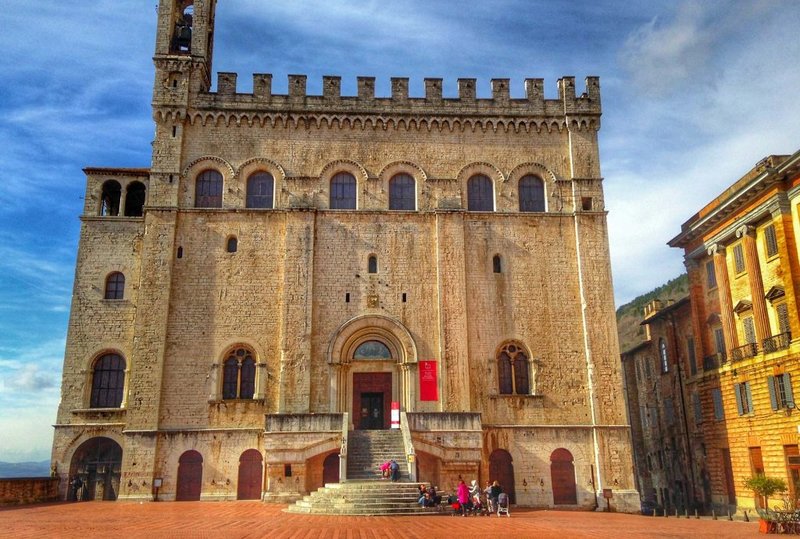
x,y
742,252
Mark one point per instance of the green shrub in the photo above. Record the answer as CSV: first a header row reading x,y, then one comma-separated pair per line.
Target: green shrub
x,y
764,486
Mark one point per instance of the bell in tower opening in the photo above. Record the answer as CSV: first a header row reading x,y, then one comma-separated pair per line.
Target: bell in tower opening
x,y
182,36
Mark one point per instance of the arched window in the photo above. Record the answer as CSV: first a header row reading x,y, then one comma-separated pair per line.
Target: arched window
x,y
662,350
402,192
239,375
233,244
480,193
182,36
372,350
497,265
531,194
109,198
372,264
343,192
115,286
208,190
513,371
108,381
260,189
134,199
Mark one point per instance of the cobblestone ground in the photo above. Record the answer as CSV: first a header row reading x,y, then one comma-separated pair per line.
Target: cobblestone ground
x,y
255,519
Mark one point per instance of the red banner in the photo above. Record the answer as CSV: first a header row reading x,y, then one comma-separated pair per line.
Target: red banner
x,y
428,381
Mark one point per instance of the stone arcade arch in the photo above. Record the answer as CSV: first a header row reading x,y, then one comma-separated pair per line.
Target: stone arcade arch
x,y
97,462
330,469
501,469
562,474
190,476
397,371
251,471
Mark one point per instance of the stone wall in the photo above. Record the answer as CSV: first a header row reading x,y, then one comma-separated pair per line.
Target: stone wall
x,y
27,490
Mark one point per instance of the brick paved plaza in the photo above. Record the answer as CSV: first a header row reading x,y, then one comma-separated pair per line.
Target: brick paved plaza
x,y
255,519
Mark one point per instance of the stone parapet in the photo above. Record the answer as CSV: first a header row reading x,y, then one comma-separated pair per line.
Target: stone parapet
x,y
583,110
26,490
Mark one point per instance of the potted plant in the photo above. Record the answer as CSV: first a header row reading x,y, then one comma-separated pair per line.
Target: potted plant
x,y
764,487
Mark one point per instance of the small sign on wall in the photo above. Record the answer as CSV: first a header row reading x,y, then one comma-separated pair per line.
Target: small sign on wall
x,y
395,415
428,381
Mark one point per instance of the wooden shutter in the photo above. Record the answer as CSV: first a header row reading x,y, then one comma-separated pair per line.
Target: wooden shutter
x,y
787,385
736,391
773,398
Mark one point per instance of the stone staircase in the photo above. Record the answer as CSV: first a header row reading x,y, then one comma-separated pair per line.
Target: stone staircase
x,y
368,449
366,498
365,492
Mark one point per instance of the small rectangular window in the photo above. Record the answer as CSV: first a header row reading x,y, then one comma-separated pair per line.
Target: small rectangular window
x,y
690,355
404,297
780,391
287,470
711,275
738,259
756,461
669,411
744,400
770,241
347,297
719,340
586,203
698,408
783,318
749,330
716,396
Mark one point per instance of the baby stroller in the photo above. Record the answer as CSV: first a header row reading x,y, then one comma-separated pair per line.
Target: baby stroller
x,y
480,506
503,505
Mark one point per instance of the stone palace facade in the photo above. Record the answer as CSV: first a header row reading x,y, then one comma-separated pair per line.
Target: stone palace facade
x,y
291,265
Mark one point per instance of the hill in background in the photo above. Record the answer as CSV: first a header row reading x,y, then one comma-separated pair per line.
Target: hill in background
x,y
24,469
630,315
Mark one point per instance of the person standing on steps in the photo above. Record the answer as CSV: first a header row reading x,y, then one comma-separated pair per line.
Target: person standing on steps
x,y
394,468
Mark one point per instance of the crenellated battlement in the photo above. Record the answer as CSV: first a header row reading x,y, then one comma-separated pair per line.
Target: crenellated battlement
x,y
434,102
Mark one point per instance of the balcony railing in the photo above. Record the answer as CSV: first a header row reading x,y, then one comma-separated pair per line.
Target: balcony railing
x,y
776,342
714,361
743,352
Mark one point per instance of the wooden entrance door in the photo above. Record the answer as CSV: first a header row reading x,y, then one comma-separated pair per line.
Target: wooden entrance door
x,y
727,469
562,475
372,396
373,404
190,476
330,469
502,470
250,473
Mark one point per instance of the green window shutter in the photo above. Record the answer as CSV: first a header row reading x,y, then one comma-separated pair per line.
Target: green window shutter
x,y
787,384
773,399
749,397
738,398
716,395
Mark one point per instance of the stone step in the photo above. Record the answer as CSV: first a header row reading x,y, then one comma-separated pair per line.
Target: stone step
x,y
361,498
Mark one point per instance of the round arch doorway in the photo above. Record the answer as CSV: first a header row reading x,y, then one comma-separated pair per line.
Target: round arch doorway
x,y
373,360
372,391
97,462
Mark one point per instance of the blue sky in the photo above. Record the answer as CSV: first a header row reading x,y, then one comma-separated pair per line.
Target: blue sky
x,y
694,94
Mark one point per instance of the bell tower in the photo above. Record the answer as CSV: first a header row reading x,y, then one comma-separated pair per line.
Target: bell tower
x,y
184,45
